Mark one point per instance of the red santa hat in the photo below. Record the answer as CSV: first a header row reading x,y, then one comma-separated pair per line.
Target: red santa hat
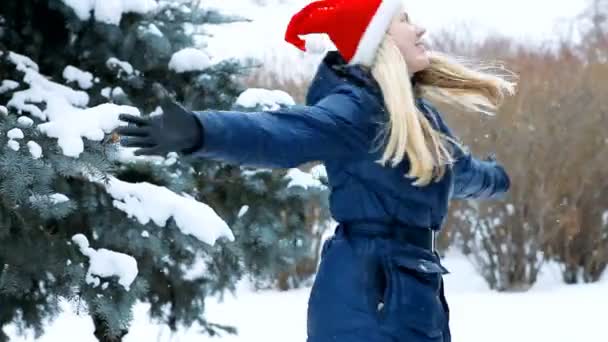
x,y
356,27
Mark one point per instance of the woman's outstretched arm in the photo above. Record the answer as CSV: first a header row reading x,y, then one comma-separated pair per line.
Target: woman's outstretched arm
x,y
473,178
335,127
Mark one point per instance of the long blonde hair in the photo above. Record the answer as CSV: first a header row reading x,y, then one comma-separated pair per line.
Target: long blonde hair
x,y
408,133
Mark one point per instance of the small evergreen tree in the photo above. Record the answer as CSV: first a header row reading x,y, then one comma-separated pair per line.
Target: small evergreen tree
x,y
72,201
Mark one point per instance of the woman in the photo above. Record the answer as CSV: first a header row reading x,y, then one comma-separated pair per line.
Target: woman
x,y
380,278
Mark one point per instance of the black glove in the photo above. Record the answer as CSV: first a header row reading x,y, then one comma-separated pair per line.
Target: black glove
x,y
176,130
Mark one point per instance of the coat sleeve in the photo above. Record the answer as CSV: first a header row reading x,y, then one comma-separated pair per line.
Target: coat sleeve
x,y
331,129
473,178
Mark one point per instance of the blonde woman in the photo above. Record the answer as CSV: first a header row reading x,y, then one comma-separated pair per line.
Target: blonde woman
x,y
392,163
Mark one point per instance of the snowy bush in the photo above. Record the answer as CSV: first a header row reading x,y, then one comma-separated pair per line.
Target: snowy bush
x,y
504,250
552,140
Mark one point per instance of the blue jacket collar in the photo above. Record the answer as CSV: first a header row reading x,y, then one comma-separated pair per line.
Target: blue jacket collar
x,y
334,71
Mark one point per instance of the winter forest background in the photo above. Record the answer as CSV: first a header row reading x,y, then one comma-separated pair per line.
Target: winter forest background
x,y
97,244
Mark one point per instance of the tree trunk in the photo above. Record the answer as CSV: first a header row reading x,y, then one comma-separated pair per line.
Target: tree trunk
x,y
101,329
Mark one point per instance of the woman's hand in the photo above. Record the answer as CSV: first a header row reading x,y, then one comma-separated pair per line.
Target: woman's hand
x,y
176,130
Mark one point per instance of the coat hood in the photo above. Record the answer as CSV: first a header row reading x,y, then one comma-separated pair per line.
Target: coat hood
x,y
333,72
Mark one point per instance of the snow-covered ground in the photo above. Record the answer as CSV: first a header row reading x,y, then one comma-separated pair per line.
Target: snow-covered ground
x,y
550,311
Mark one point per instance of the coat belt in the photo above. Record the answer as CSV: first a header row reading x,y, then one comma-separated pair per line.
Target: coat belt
x,y
422,237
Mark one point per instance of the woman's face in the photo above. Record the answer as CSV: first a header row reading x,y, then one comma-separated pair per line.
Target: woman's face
x,y
407,36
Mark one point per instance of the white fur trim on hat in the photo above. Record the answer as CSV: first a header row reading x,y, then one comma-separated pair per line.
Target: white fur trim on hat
x,y
373,35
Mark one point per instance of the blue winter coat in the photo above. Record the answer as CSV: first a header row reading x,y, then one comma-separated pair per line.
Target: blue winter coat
x,y
338,126
366,289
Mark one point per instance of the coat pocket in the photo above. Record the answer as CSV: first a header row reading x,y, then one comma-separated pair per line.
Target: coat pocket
x,y
412,305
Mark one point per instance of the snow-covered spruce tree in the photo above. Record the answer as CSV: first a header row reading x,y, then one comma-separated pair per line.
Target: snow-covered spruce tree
x,y
81,219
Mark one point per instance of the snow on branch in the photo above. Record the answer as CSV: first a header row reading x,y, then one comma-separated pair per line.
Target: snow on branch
x,y
303,179
189,59
264,98
147,202
69,128
109,12
68,121
106,263
83,78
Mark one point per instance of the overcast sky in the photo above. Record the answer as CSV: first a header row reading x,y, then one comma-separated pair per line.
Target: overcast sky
x,y
525,19
529,21
520,18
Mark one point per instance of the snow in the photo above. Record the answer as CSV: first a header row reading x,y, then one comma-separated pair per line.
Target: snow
x,y
189,28
127,155
302,179
247,172
118,92
557,313
83,78
25,122
605,218
171,159
35,149
22,62
263,37
122,66
69,128
264,98
145,234
64,111
243,210
3,110
8,85
81,8
189,59
106,263
147,202
318,171
463,277
53,198
106,92
59,198
15,133
197,269
109,11
153,29
13,144
57,97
